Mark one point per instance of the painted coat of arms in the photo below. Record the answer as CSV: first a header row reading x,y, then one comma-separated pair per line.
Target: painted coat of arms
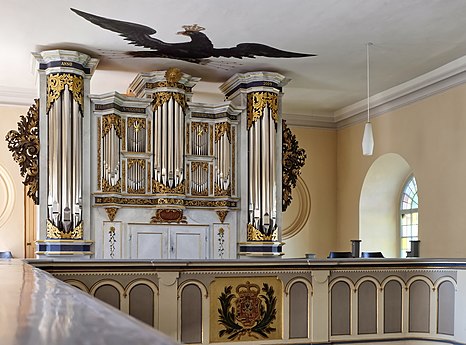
x,y
248,310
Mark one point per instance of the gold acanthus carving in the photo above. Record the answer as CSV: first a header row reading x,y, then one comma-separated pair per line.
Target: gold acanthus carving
x,y
123,134
159,188
140,162
55,233
56,84
221,129
199,128
111,213
257,101
222,192
109,121
137,123
24,146
108,188
222,214
123,175
255,235
161,98
149,135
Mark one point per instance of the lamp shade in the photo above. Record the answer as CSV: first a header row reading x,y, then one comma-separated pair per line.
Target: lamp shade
x,y
368,140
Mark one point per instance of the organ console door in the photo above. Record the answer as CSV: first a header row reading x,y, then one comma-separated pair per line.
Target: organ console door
x,y
152,174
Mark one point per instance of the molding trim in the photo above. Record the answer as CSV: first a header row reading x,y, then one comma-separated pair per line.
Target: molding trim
x,y
438,80
17,96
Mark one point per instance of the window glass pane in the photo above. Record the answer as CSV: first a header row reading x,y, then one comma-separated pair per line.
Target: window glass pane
x,y
409,216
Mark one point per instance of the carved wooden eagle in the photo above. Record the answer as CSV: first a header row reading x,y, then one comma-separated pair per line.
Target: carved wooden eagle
x,y
198,50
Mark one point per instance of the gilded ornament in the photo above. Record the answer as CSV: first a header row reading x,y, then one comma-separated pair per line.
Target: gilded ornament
x,y
195,166
257,101
54,232
109,121
111,213
123,176
123,134
112,241
222,215
56,84
24,146
161,84
221,129
161,98
219,191
256,235
211,141
108,188
160,188
149,135
137,123
293,160
168,216
173,75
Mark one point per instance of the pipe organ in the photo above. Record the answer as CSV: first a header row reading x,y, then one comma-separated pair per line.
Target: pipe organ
x,y
153,175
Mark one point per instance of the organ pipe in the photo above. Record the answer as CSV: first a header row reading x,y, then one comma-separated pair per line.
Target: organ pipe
x,y
262,173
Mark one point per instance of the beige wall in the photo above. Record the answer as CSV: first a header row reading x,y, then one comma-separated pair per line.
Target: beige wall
x,y
12,229
319,175
431,136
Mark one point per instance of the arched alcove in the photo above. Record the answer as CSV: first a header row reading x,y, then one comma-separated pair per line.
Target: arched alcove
x,y
379,204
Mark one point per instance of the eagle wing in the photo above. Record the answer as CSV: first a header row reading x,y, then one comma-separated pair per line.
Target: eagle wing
x,y
251,50
136,34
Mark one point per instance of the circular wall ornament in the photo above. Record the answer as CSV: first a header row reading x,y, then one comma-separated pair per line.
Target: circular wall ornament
x,y
7,192
299,212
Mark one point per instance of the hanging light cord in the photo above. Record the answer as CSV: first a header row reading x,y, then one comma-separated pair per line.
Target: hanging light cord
x,y
368,79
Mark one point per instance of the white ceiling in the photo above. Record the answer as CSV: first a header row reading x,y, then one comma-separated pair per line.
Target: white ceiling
x,y
411,38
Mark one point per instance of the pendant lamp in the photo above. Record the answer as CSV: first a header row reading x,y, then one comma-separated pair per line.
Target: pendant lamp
x,y
368,137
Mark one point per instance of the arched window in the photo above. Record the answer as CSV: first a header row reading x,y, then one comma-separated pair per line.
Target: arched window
x,y
409,215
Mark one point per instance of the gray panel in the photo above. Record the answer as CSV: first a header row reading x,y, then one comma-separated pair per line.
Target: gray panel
x,y
109,294
191,315
446,308
419,307
141,303
340,309
299,316
392,307
367,308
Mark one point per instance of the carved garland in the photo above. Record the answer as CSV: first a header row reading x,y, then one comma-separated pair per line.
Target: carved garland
x,y
294,158
161,98
24,145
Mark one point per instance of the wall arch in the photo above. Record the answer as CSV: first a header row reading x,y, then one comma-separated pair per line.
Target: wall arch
x,y
379,204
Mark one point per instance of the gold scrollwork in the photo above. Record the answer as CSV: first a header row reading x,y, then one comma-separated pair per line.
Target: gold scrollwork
x,y
255,235
108,188
222,192
140,162
111,120
221,129
123,176
293,160
257,101
222,214
205,203
55,233
111,213
56,84
160,188
161,98
199,128
137,123
24,146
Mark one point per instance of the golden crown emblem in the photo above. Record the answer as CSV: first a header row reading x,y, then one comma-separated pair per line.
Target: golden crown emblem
x,y
193,28
248,289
